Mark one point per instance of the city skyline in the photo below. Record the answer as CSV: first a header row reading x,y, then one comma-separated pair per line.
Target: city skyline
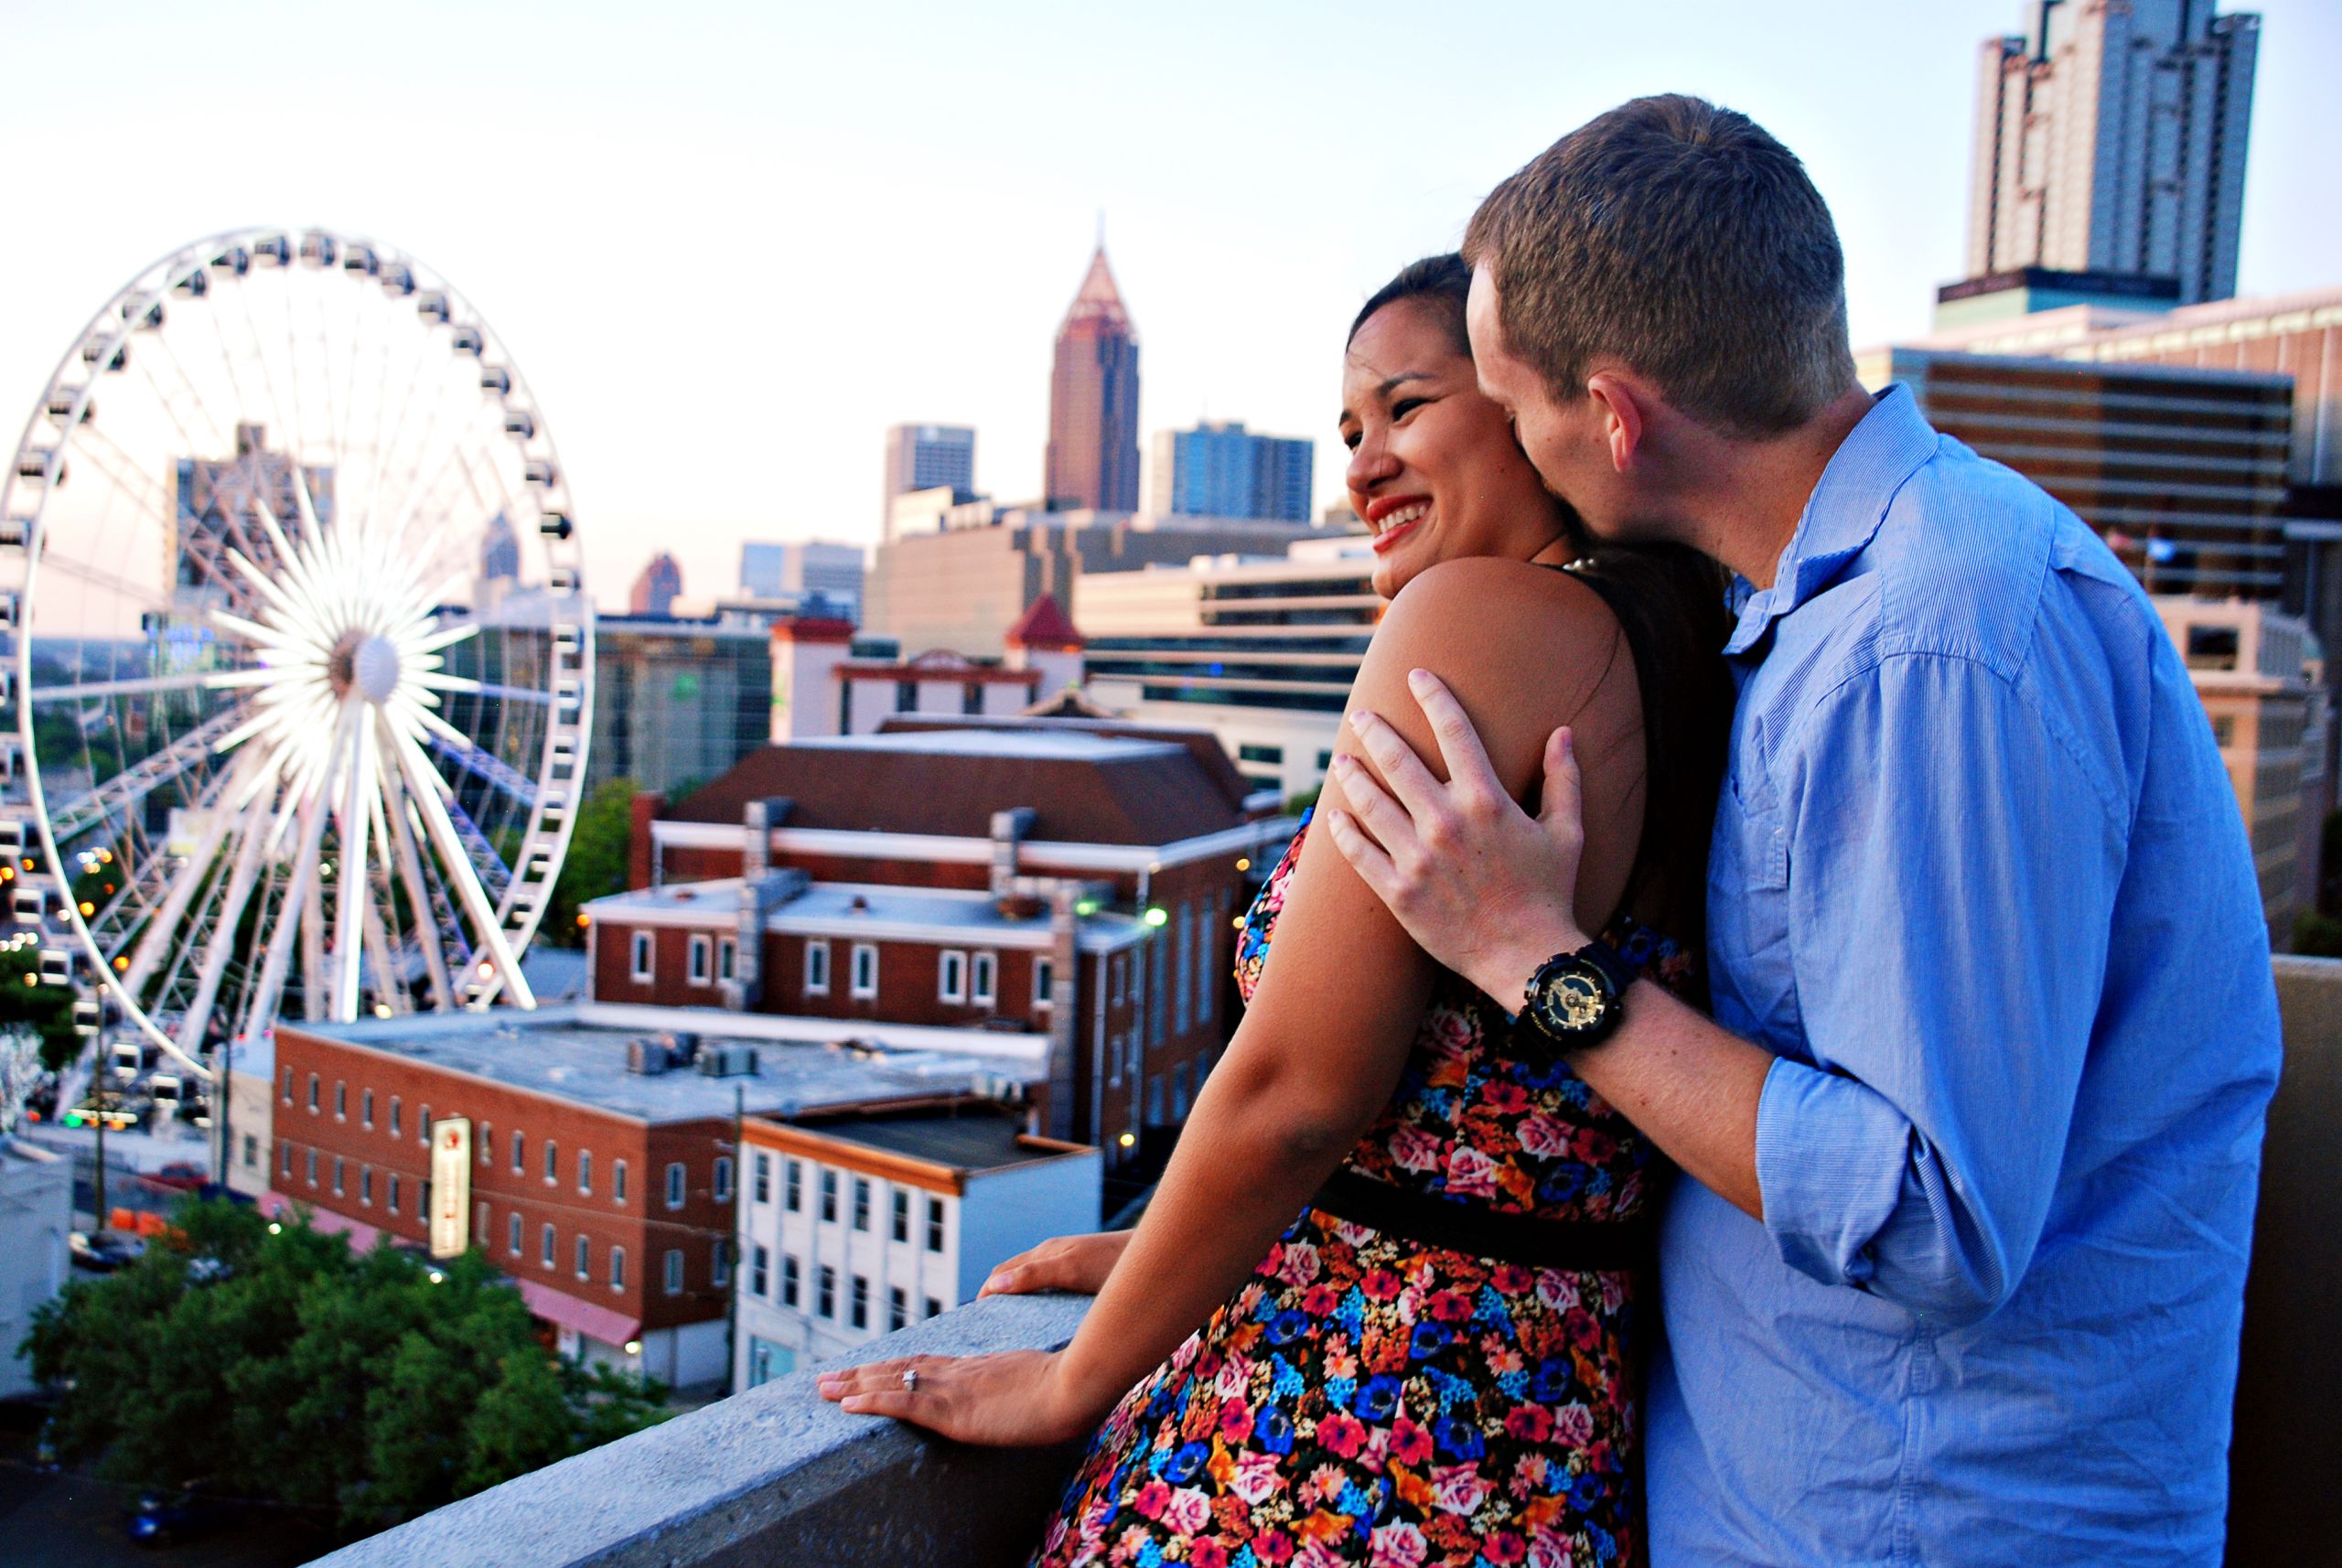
x,y
728,276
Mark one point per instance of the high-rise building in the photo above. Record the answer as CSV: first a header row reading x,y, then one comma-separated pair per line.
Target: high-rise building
x,y
655,589
219,511
798,570
1093,398
1225,470
2110,140
677,699
923,457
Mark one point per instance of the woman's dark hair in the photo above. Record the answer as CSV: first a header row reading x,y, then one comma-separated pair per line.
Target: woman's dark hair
x,y
1668,600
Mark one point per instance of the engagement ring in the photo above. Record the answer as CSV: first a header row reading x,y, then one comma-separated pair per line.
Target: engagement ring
x,y
910,1379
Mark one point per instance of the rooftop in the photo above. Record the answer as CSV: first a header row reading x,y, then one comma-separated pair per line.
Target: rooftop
x,y
971,1135
1086,788
860,909
570,1054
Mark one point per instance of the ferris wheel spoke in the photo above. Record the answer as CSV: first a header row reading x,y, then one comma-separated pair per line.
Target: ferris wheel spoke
x,y
99,450
145,361
132,784
488,932
349,894
261,1006
136,686
55,560
424,901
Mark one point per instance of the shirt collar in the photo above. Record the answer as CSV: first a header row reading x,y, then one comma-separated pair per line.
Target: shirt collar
x,y
1843,514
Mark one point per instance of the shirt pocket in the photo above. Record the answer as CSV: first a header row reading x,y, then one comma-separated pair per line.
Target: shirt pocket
x,y
1752,978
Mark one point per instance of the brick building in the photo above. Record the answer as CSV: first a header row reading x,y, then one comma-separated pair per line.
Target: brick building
x,y
1067,884
602,1153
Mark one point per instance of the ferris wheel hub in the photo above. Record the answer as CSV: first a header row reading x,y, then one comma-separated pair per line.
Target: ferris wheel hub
x,y
374,668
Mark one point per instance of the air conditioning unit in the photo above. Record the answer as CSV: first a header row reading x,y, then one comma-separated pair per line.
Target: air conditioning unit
x,y
729,1061
647,1058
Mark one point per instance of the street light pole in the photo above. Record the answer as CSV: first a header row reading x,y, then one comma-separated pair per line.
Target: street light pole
x,y
98,1103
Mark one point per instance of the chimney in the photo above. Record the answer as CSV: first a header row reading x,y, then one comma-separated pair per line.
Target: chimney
x,y
762,890
1009,829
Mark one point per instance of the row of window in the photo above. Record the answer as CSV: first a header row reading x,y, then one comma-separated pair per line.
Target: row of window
x,y
793,1199
824,1302
677,1176
671,1271
961,978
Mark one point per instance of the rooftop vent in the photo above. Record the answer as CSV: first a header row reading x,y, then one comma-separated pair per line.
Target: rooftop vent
x,y
729,1061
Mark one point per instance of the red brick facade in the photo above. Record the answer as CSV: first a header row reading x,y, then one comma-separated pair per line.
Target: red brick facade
x,y
365,1158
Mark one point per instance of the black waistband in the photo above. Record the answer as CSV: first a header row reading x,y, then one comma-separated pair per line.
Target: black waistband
x,y
1478,1232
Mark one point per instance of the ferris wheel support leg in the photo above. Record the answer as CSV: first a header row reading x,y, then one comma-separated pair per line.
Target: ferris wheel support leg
x,y
423,784
222,944
313,934
355,871
410,865
265,995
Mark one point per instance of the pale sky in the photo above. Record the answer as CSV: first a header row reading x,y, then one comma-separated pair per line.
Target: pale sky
x,y
728,244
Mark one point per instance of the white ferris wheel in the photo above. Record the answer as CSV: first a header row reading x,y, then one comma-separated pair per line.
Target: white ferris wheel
x,y
302,668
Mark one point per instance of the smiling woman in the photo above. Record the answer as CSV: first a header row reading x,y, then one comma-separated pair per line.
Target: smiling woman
x,y
1435,1360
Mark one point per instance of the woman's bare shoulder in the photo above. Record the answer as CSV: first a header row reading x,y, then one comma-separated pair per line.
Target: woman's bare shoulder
x,y
1485,613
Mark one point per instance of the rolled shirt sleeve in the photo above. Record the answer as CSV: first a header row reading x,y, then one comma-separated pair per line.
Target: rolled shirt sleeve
x,y
1954,865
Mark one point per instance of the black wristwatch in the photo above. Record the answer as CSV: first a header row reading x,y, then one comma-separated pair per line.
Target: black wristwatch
x,y
1576,999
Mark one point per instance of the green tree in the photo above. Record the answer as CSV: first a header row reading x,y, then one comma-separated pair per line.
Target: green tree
x,y
47,1010
595,865
277,1363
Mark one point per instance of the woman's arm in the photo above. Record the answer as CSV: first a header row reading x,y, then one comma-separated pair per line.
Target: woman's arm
x,y
1322,1042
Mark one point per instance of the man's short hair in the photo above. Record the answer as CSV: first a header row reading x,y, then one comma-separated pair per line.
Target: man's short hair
x,y
1683,240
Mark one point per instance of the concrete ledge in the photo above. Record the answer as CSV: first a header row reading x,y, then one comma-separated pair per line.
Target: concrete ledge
x,y
771,1478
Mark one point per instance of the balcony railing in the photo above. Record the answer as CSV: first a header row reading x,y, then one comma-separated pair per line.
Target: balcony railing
x,y
776,1476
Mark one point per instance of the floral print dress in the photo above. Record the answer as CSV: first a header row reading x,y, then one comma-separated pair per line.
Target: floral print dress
x,y
1365,1397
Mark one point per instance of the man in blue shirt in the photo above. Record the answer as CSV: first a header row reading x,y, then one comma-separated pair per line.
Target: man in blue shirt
x,y
1972,1137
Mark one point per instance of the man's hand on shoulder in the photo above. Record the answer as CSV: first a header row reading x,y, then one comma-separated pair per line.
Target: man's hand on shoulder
x,y
1484,887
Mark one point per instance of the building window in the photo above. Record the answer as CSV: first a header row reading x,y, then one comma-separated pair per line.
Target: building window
x,y
951,981
251,1151
313,1093
366,1186
825,1297
700,961
618,1181
1179,1092
394,1192
520,1150
396,1124
723,1178
860,1308
480,1221
902,1215
719,1262
366,1110
2224,730
906,696
552,1162
767,1360
1115,1060
1045,982
983,979
585,1172
487,1157
618,1268
341,1102
830,1195
1155,1100
288,1086
513,1234
764,1177
727,958
1182,968
759,1270
675,1184
673,1281
934,1224
971,697
423,1126
546,1247
312,1163
860,1203
787,1280
585,1258
934,1307
898,1308
866,971
817,968
338,1188
285,1159
638,967
1118,970
794,1192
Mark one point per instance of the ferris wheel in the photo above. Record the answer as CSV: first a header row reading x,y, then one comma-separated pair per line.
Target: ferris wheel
x,y
302,673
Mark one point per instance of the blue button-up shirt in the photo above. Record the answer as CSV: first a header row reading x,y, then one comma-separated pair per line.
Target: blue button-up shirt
x,y
1980,883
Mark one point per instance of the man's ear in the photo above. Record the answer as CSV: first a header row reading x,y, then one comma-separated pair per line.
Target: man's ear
x,y
1619,407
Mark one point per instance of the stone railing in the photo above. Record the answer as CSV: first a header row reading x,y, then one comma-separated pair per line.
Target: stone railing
x,y
775,1477
770,1479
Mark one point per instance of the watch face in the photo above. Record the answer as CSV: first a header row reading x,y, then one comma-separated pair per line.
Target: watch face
x,y
1574,1001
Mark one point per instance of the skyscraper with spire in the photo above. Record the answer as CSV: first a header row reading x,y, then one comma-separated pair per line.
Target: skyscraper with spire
x,y
1093,398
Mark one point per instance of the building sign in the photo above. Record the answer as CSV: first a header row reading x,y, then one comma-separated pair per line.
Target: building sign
x,y
451,1186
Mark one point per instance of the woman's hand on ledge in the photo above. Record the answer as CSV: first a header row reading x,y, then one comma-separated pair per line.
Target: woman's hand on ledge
x,y
1015,1399
1077,1264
